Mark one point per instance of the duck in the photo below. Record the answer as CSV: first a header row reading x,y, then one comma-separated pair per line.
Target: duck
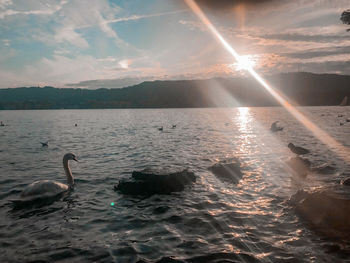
x,y
297,149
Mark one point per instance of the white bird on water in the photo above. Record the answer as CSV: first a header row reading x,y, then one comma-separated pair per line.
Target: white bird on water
x,y
48,188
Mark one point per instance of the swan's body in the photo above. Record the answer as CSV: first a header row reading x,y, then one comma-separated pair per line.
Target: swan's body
x,y
48,188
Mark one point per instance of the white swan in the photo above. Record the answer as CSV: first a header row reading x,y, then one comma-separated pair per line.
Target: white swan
x,y
48,188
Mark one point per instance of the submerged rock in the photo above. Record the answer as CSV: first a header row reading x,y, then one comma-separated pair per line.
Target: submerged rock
x,y
227,171
299,167
149,182
325,211
323,169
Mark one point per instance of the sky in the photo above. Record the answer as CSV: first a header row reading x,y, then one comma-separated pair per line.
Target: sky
x,y
117,43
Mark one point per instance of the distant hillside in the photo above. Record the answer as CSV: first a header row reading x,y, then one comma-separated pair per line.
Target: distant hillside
x,y
302,88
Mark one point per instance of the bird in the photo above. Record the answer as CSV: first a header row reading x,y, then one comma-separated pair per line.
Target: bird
x,y
297,150
2,124
341,124
174,126
348,120
275,128
45,144
161,128
48,188
76,125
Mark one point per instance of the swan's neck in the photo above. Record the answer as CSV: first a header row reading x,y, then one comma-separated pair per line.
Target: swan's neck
x,y
70,179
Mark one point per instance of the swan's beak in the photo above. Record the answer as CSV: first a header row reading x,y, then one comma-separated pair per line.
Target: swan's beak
x,y
75,159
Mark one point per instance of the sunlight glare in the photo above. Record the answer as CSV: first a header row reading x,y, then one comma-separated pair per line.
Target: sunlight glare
x,y
245,62
341,150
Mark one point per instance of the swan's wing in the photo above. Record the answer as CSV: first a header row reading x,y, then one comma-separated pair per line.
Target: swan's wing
x,y
43,188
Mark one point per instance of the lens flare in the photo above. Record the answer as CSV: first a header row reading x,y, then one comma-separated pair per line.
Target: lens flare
x,y
334,145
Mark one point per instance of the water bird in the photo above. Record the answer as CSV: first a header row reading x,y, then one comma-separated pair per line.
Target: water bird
x,y
341,124
275,128
348,120
48,188
160,128
297,149
45,144
75,125
340,115
346,182
174,126
2,124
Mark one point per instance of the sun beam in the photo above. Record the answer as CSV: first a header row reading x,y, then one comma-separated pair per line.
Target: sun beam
x,y
341,150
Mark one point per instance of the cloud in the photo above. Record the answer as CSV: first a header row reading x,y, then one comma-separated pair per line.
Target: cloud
x,y
29,8
68,34
110,83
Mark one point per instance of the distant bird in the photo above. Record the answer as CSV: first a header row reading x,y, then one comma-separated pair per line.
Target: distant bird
x,y
340,115
275,128
346,182
48,188
160,129
174,126
76,125
341,124
297,150
348,120
1,124
45,144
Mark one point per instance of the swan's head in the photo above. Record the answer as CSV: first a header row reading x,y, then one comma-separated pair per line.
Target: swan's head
x,y
70,156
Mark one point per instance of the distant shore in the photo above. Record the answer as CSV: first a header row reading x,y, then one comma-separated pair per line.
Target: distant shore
x,y
303,89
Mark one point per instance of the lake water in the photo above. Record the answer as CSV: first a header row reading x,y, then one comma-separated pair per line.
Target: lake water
x,y
210,221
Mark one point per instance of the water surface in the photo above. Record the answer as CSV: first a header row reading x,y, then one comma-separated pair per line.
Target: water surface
x,y
208,222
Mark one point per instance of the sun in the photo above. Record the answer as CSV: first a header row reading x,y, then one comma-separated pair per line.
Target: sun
x,y
245,62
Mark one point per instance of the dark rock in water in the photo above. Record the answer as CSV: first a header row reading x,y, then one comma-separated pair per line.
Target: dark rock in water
x,y
149,182
299,166
227,171
328,213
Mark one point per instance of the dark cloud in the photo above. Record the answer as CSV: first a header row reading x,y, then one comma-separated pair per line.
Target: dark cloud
x,y
226,5
318,53
307,38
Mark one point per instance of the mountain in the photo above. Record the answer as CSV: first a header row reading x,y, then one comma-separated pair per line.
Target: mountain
x,y
305,89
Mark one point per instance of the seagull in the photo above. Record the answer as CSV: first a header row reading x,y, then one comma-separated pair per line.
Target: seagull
x,y
297,150
45,144
275,128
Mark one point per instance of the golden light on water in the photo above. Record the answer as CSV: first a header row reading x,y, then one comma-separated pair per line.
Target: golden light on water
x,y
334,145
